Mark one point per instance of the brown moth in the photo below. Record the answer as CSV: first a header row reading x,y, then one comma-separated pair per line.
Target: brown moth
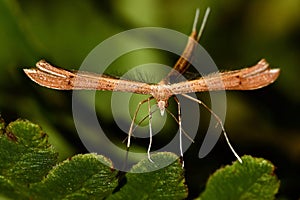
x,y
255,77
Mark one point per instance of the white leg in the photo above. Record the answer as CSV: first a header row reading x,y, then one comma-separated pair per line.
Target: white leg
x,y
219,121
183,131
180,130
133,119
150,131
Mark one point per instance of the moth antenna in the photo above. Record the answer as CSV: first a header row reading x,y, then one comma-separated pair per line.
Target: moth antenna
x,y
203,23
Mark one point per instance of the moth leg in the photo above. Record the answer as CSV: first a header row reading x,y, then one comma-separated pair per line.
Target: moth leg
x,y
180,129
134,118
150,131
219,122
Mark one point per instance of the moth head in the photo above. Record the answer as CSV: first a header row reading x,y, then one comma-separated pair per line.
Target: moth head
x,y
161,105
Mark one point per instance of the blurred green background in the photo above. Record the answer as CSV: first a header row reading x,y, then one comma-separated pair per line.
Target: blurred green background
x,y
263,123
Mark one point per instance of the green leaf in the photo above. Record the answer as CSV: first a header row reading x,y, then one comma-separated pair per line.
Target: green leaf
x,y
2,125
27,169
164,183
25,157
253,179
7,188
81,177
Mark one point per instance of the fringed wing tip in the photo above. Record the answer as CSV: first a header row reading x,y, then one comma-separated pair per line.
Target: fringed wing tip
x,y
275,73
30,72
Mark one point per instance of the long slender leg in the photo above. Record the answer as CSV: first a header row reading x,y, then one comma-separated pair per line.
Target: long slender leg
x,y
219,121
133,119
150,131
142,120
180,129
183,131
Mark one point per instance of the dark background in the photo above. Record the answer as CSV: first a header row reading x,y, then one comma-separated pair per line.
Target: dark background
x,y
262,123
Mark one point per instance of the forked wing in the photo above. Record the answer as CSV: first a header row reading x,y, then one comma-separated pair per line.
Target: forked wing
x,y
56,78
258,76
